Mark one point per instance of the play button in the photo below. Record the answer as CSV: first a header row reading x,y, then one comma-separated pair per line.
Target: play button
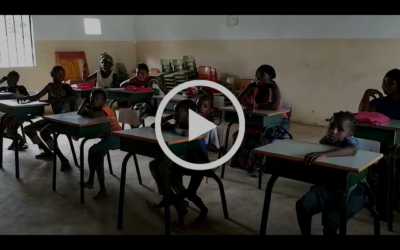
x,y
198,125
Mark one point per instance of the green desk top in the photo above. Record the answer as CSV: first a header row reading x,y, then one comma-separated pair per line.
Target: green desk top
x,y
392,125
296,150
148,134
73,119
258,112
14,104
176,98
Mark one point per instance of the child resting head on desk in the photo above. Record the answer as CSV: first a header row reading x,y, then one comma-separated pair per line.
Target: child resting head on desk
x,y
62,99
327,201
12,123
97,107
178,192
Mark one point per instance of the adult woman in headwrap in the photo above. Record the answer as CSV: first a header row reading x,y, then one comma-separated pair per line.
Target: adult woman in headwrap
x,y
262,94
105,77
389,105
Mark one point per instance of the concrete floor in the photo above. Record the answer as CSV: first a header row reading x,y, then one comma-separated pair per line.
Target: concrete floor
x,y
29,206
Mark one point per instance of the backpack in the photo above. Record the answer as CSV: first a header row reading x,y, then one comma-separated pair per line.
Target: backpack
x,y
372,118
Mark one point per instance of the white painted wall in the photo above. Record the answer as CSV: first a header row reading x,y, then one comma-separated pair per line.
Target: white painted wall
x,y
71,28
214,27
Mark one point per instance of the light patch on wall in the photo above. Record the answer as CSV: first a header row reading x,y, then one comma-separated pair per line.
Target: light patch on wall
x,y
92,26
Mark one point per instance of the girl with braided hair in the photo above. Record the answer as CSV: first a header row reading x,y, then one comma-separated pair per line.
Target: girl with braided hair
x,y
388,104
262,94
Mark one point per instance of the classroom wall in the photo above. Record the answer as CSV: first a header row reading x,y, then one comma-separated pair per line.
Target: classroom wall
x,y
323,63
66,33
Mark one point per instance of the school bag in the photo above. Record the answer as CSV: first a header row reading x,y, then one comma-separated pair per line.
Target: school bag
x,y
372,118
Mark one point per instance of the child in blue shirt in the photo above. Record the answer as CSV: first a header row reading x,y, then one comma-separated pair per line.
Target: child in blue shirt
x,y
325,200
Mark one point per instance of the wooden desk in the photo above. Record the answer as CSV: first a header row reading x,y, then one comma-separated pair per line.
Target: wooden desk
x,y
285,159
389,136
74,125
23,111
6,95
260,118
143,141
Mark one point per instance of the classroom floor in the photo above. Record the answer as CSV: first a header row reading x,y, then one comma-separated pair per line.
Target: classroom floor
x,y
29,206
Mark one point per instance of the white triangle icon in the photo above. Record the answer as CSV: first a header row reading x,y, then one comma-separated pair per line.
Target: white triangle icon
x,y
198,125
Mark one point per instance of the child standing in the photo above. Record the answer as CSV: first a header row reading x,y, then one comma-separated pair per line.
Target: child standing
x,y
61,97
96,108
204,107
325,200
12,123
178,192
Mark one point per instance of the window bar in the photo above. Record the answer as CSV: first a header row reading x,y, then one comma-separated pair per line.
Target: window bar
x,y
15,39
8,51
23,37
32,40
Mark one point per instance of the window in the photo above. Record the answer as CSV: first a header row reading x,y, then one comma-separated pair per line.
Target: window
x,y
92,26
16,41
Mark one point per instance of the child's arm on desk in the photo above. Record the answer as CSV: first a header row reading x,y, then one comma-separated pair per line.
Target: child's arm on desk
x,y
181,131
164,123
349,150
86,110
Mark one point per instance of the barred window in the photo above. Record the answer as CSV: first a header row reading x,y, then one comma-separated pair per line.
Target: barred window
x,y
16,41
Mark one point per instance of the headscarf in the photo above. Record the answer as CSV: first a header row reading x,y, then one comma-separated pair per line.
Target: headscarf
x,y
106,57
268,69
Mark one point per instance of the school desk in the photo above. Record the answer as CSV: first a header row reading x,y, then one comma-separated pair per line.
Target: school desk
x,y
260,118
122,95
24,112
6,95
74,125
143,141
82,93
171,104
388,135
285,158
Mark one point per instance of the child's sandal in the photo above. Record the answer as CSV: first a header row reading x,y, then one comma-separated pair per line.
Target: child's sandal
x,y
153,207
178,227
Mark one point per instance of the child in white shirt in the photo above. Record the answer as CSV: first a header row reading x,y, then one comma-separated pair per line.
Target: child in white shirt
x,y
204,107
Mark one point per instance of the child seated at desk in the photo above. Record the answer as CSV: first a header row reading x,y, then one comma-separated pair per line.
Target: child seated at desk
x,y
263,94
96,108
142,79
61,97
12,123
327,201
387,103
159,168
204,107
